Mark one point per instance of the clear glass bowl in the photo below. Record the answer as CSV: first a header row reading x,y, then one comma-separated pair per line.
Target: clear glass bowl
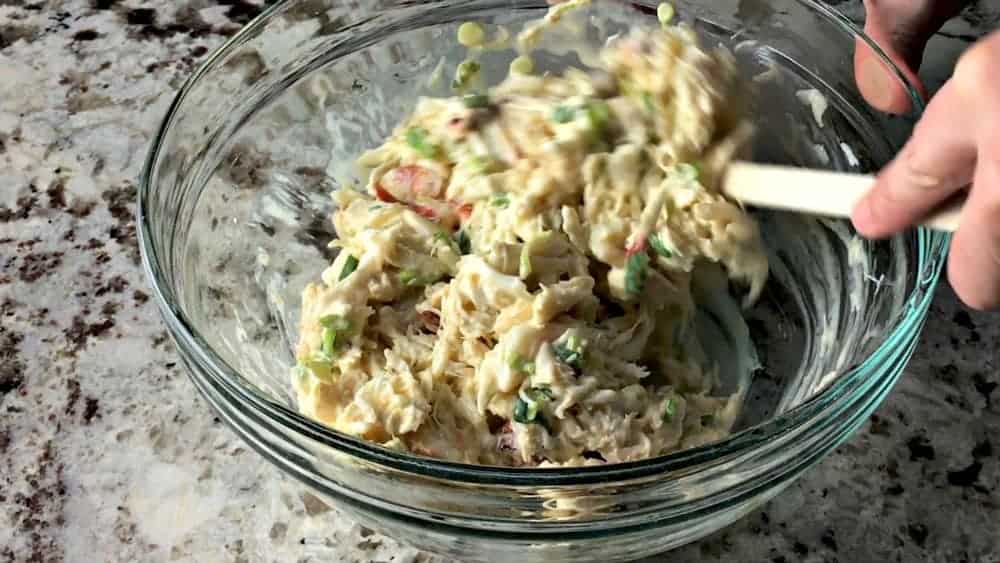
x,y
233,215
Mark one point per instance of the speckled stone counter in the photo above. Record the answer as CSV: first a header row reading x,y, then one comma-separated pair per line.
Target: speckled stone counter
x,y
108,454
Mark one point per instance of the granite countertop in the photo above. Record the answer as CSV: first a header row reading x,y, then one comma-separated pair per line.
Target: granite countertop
x,y
107,453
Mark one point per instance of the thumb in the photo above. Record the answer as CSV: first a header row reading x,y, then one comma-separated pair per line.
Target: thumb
x,y
901,28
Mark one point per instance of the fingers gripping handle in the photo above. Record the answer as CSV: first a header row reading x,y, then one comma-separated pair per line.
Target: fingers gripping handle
x,y
816,192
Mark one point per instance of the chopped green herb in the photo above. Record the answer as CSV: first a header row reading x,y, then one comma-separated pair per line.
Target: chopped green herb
x,y
375,207
501,199
476,100
517,362
350,265
636,271
416,137
464,243
563,114
669,410
659,247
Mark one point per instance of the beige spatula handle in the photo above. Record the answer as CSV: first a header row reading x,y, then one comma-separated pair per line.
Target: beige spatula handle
x,y
817,192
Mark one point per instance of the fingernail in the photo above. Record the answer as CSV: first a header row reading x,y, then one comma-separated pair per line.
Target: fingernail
x,y
862,217
875,83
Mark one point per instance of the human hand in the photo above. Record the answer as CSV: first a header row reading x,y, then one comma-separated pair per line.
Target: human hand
x,y
902,29
956,142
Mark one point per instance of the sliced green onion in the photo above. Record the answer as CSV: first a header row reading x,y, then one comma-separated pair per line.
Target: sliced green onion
x,y
517,362
413,278
599,115
335,322
647,101
528,248
522,65
524,412
464,74
443,238
476,100
626,86
333,327
524,265
665,13
350,265
410,278
320,365
464,243
480,164
570,352
688,171
636,271
300,371
416,138
659,247
541,393
329,342
574,343
563,114
669,409
528,411
471,34
501,199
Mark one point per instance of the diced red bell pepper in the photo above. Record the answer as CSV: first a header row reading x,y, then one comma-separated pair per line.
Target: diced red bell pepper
x,y
418,180
383,195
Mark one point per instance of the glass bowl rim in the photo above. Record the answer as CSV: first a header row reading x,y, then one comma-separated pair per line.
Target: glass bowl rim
x,y
742,442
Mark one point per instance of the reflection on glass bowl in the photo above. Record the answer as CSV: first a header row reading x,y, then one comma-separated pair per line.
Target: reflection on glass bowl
x,y
234,221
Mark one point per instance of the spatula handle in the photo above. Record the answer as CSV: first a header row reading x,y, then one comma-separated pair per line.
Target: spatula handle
x,y
817,192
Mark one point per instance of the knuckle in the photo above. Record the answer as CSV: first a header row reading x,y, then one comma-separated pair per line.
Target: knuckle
x,y
917,173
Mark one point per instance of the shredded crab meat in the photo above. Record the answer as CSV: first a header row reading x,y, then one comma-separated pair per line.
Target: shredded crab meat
x,y
513,285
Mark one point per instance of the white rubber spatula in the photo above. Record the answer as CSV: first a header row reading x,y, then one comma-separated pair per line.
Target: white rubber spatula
x,y
816,192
